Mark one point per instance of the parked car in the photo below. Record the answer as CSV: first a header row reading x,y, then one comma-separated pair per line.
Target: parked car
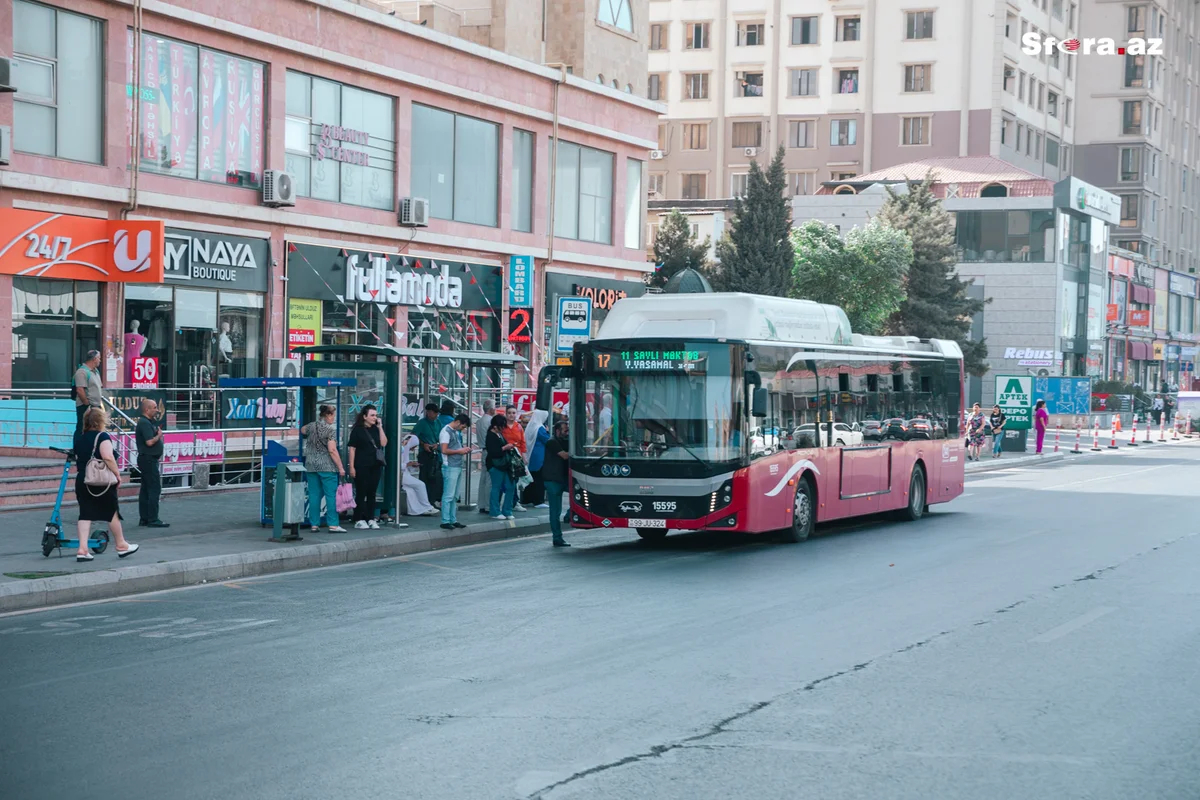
x,y
847,435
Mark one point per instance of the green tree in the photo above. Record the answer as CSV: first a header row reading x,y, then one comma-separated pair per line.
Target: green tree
x,y
676,249
755,254
863,274
937,305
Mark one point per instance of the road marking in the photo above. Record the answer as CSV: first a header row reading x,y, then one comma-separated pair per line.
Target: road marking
x,y
1104,478
1073,625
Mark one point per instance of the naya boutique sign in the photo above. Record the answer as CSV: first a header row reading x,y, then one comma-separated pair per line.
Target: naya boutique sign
x,y
216,260
331,144
387,279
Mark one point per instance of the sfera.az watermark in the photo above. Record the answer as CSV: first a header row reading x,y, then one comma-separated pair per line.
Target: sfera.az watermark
x,y
1034,43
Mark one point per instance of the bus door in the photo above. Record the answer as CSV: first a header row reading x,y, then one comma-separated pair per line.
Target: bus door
x,y
865,466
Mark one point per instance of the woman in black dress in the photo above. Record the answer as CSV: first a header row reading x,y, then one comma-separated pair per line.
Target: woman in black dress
x,y
366,444
95,506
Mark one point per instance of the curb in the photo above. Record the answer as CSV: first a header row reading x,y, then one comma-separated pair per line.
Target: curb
x,y
111,583
1020,461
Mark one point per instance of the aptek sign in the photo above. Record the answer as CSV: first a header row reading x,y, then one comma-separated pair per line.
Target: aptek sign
x,y
1014,395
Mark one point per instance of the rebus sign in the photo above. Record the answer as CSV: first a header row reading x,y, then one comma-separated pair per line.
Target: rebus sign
x,y
1034,43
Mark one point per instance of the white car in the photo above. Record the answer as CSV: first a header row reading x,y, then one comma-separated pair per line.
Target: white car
x,y
843,435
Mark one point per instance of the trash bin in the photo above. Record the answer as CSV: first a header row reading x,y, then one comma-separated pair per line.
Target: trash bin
x,y
291,481
1014,441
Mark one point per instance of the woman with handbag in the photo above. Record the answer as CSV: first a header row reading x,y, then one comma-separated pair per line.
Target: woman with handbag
x,y
324,465
367,459
499,451
96,483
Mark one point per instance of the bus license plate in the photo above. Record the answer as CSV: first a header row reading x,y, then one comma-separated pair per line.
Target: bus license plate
x,y
647,523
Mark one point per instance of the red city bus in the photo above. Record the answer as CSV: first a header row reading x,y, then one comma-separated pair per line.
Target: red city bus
x,y
757,414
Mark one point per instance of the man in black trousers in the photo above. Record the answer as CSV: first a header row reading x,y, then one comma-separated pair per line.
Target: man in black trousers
x,y
150,452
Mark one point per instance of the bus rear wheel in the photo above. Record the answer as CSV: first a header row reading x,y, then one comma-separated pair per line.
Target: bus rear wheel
x,y
804,513
916,496
652,534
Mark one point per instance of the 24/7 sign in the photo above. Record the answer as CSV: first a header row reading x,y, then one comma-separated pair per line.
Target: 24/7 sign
x,y
1014,395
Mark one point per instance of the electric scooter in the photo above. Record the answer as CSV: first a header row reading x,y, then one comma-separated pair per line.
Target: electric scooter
x,y
52,534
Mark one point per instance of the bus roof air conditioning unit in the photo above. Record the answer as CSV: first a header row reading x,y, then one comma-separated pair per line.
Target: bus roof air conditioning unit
x,y
278,190
414,212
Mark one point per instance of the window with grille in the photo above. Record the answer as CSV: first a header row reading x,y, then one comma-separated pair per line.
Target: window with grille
x,y
747,134
916,78
801,133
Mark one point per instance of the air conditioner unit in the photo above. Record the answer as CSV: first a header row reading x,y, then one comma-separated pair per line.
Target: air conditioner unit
x,y
5,145
278,189
286,368
656,155
750,152
6,81
414,212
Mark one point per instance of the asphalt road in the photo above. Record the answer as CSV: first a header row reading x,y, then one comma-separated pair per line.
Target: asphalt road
x,y
1037,638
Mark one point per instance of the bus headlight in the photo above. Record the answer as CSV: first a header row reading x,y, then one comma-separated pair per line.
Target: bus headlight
x,y
721,497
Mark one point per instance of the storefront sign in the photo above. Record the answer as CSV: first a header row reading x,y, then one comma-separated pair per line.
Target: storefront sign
x,y
1120,266
1158,351
1181,284
46,245
374,280
1110,312
520,281
1173,352
1120,294
247,408
1140,319
304,323
1029,357
520,325
182,450
356,276
332,141
198,258
145,373
1078,196
1014,395
603,299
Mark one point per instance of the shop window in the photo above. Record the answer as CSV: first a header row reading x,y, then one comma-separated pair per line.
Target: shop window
x,y
340,142
54,324
455,163
239,334
58,67
633,203
583,195
522,181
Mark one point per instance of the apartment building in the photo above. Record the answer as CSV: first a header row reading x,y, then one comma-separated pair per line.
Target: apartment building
x,y
1140,132
600,40
852,86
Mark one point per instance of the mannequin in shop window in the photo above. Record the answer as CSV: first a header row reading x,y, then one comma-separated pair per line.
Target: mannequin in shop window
x,y
224,349
135,344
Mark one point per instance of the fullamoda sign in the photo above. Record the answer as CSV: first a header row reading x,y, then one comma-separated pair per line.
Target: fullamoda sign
x,y
374,281
1014,395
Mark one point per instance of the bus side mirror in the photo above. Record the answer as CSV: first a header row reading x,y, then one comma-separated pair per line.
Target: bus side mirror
x,y
758,402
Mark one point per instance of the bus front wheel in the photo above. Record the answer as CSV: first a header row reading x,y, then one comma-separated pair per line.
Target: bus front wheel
x,y
652,534
804,513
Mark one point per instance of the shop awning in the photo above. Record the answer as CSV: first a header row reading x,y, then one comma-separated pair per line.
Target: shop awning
x,y
1139,351
1142,294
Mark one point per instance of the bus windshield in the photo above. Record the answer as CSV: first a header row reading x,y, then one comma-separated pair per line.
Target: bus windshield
x,y
677,401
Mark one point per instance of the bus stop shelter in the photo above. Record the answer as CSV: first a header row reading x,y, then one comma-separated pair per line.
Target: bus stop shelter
x,y
377,378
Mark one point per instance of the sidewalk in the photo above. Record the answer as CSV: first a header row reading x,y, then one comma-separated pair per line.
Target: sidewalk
x,y
211,538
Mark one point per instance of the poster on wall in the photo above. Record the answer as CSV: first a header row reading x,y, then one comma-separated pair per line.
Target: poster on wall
x,y
182,450
200,111
304,323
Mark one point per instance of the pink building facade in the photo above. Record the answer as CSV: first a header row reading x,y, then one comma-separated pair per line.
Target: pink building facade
x,y
361,111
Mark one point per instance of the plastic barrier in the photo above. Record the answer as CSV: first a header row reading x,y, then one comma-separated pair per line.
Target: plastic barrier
x,y
1133,442
1096,436
1162,429
1076,451
1057,433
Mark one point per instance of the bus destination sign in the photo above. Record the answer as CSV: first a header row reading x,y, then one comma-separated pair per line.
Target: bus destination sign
x,y
651,360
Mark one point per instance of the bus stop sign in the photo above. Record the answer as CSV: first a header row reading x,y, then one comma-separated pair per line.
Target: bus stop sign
x,y
574,322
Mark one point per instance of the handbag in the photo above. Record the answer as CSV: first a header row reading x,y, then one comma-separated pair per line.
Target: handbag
x,y
344,499
516,465
96,474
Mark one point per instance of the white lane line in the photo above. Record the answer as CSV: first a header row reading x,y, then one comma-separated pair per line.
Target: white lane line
x,y
1104,477
1073,625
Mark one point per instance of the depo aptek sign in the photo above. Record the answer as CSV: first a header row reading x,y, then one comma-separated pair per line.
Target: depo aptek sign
x,y
1014,395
